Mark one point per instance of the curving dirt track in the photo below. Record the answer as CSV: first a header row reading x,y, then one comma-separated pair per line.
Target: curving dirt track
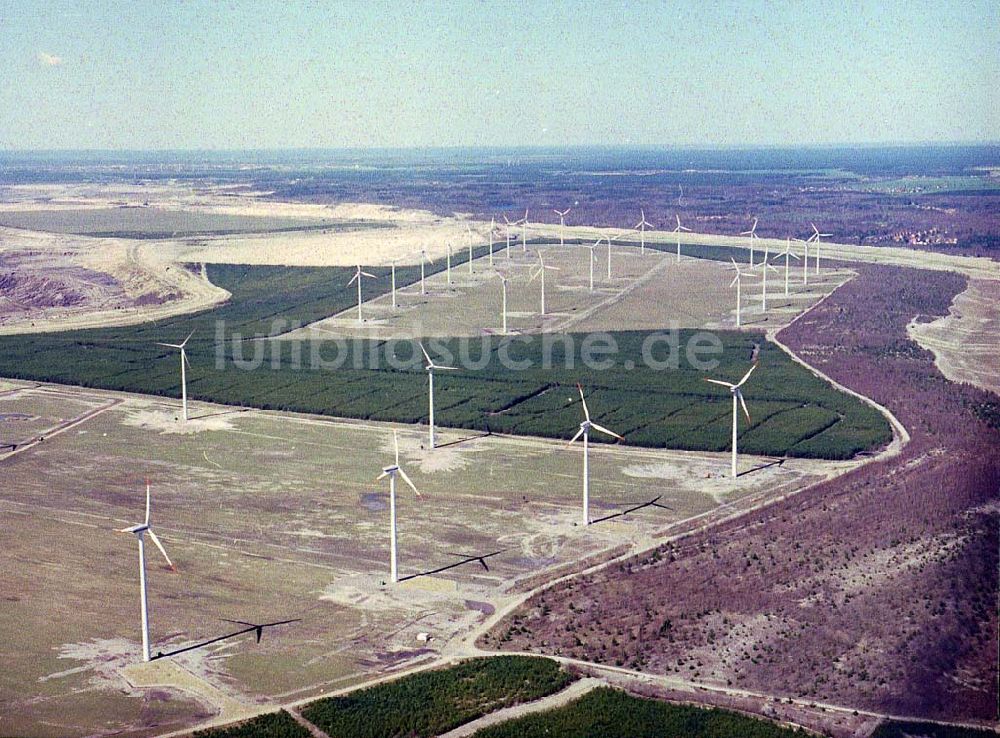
x,y
876,590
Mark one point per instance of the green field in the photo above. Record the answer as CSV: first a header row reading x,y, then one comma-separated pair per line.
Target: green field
x,y
274,725
153,223
610,713
433,702
793,412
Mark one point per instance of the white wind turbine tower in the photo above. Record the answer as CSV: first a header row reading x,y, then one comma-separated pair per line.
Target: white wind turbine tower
x,y
540,272
562,224
503,303
737,280
508,224
139,531
447,268
737,396
423,260
391,472
753,236
393,267
357,278
524,231
788,255
492,226
765,266
641,227
593,260
678,230
184,364
469,229
431,367
617,235
815,239
584,431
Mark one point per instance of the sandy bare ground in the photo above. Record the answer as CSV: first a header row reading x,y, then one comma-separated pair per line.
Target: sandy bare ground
x,y
574,691
140,283
966,342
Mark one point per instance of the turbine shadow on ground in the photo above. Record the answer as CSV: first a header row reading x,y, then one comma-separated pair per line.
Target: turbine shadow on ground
x,y
257,628
466,559
635,508
761,467
233,411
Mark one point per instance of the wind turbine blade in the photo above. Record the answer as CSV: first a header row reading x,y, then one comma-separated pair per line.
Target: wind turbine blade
x,y
369,275
574,438
735,279
354,279
395,443
147,502
426,355
730,385
744,404
381,476
605,431
184,342
409,482
685,229
586,411
163,551
815,229
746,376
169,345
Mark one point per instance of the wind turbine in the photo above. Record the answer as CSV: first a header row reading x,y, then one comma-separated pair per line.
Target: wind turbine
x,y
562,225
508,224
184,364
448,265
617,235
492,226
503,304
469,229
763,284
593,260
357,278
584,431
641,227
423,260
737,396
815,238
139,531
540,272
678,230
430,366
753,235
805,261
391,472
524,232
788,255
393,265
737,281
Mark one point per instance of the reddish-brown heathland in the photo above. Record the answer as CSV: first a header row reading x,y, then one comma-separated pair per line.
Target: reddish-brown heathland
x,y
876,590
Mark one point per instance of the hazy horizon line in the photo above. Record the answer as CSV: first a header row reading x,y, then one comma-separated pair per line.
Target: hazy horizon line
x,y
519,147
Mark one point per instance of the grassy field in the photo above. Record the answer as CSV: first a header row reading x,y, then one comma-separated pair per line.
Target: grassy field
x,y
610,713
271,517
153,223
794,414
433,702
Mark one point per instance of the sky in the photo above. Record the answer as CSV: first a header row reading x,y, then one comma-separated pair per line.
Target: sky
x,y
324,74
